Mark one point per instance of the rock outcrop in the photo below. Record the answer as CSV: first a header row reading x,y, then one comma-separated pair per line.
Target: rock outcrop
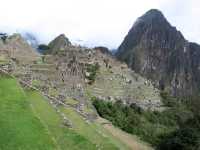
x,y
158,51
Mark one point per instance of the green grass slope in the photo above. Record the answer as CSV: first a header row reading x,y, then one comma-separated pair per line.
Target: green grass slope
x,y
93,131
20,129
81,132
65,138
27,122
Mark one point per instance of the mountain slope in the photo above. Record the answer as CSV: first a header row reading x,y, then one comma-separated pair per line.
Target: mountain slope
x,y
158,51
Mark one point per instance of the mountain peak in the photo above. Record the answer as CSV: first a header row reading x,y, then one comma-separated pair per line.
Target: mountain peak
x,y
61,42
151,26
63,39
153,13
152,16
158,51
62,36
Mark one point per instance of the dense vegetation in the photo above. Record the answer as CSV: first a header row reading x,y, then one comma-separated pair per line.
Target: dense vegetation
x,y
92,72
43,48
187,136
3,36
176,128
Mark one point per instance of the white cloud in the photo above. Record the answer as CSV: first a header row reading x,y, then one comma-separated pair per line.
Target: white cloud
x,y
97,22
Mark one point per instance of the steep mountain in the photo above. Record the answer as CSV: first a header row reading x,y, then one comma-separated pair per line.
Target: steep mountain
x,y
158,51
60,43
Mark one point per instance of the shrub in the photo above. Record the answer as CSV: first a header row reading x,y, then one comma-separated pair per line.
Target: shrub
x,y
149,126
168,100
44,49
3,36
92,70
186,138
176,128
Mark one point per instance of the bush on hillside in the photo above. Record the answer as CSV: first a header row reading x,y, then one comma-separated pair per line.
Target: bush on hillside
x,y
43,48
176,128
168,100
185,138
149,126
92,70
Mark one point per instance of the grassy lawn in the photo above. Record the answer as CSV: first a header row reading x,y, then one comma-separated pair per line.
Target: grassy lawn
x,y
71,101
132,141
36,83
3,60
93,131
65,138
53,92
28,122
20,129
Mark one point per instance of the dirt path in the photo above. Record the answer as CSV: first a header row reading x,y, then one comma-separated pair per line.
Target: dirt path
x,y
133,142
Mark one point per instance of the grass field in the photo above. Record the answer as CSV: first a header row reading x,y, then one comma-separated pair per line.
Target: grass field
x,y
3,60
64,138
20,129
93,131
83,135
27,122
132,141
105,134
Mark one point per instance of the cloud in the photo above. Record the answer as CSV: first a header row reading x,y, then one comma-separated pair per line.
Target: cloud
x,y
96,22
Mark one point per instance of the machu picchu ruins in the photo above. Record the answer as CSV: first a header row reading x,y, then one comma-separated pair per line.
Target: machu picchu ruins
x,y
64,75
79,91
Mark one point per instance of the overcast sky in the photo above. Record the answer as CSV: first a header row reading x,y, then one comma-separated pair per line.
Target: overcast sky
x,y
94,22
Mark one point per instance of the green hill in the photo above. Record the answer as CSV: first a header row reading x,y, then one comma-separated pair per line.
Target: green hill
x,y
29,122
19,127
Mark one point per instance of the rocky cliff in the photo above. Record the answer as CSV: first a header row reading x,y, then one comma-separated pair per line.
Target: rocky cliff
x,y
158,51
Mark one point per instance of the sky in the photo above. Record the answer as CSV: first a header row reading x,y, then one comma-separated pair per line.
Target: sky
x,y
94,22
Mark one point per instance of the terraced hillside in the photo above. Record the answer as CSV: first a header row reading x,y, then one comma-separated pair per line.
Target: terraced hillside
x,y
29,122
124,84
57,89
33,123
